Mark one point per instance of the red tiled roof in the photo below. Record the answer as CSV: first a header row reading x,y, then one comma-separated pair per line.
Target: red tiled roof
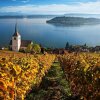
x,y
25,43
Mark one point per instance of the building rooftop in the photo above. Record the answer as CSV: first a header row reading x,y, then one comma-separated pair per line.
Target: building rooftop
x,y
25,43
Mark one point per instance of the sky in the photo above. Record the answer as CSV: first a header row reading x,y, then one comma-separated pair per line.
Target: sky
x,y
31,7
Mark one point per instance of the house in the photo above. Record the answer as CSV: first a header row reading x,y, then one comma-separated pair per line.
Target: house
x,y
2,48
59,51
97,48
17,43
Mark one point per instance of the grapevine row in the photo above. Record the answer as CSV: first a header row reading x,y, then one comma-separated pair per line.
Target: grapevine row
x,y
82,70
19,74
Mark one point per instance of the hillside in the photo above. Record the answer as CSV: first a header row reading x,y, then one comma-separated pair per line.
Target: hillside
x,y
72,76
19,72
71,21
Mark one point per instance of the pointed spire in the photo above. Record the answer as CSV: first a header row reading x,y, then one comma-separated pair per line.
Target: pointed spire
x,y
16,30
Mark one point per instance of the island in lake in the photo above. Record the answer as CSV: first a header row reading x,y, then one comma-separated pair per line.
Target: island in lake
x,y
73,21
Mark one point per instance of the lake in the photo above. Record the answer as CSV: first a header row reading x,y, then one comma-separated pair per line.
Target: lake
x,y
37,30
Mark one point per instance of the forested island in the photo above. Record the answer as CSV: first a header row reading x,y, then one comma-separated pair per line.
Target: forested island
x,y
70,21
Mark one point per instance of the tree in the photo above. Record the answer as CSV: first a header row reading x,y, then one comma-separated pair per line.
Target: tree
x,y
29,48
36,48
85,45
67,46
42,50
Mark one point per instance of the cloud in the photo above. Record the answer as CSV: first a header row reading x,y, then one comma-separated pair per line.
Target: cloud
x,y
25,1
89,7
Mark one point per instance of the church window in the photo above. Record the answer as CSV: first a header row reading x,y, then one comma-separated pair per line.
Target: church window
x,y
14,38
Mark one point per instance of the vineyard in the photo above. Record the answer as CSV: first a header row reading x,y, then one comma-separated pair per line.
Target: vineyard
x,y
19,72
83,74
74,75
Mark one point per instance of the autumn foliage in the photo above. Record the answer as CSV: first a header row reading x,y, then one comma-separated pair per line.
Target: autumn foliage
x,y
18,73
82,70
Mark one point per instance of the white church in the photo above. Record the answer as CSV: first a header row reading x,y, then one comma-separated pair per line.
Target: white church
x,y
17,43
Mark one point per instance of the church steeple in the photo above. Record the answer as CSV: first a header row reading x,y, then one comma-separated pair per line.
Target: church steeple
x,y
16,40
16,30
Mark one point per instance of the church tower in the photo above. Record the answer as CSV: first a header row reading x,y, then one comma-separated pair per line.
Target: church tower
x,y
16,40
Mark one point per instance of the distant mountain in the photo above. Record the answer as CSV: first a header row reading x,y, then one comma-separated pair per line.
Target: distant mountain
x,y
82,15
73,21
27,16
